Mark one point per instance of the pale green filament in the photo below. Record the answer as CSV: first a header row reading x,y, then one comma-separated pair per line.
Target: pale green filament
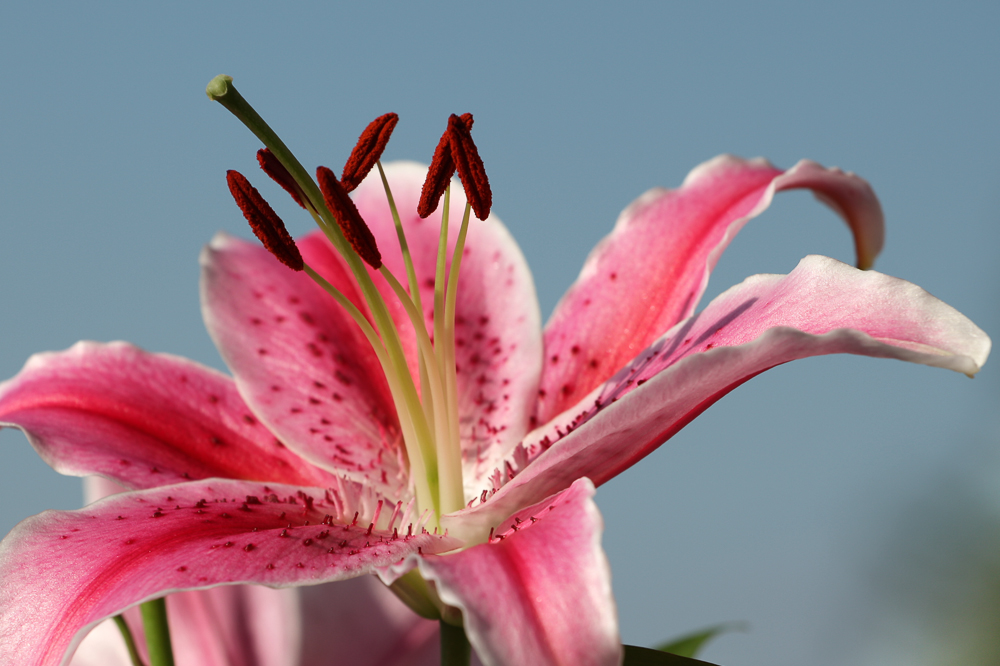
x,y
411,273
450,479
411,276
454,456
419,473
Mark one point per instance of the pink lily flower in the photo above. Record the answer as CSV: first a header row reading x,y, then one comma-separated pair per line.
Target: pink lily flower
x,y
305,468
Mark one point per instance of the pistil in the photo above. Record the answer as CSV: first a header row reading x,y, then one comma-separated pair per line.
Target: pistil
x,y
428,420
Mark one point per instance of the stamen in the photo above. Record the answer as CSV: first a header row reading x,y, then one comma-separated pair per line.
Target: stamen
x,y
441,170
266,224
368,150
279,174
351,223
470,167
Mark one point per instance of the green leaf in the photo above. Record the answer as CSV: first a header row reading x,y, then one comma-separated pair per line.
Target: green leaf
x,y
690,645
640,656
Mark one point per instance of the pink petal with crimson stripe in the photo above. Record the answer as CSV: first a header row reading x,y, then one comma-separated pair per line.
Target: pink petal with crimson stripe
x,y
822,307
68,570
650,272
301,362
498,340
359,620
230,625
143,419
542,594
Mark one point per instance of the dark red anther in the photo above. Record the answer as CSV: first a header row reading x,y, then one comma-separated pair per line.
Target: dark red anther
x,y
279,174
470,167
368,150
441,170
342,206
266,224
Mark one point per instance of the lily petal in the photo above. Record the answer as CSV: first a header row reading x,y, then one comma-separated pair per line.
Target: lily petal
x,y
65,571
359,620
232,625
300,362
650,272
822,307
143,419
541,594
498,344
364,624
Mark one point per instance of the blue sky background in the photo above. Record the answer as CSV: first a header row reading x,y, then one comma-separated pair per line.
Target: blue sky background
x,y
784,505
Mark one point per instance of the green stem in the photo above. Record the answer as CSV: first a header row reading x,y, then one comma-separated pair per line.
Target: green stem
x,y
154,622
455,648
133,651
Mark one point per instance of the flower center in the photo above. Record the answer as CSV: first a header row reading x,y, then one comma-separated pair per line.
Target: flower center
x,y
428,416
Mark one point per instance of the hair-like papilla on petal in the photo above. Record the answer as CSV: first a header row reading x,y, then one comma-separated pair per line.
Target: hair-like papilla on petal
x,y
470,167
368,150
351,223
441,170
279,174
266,224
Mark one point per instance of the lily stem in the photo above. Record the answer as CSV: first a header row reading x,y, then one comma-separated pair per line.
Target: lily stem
x,y
154,622
455,648
133,651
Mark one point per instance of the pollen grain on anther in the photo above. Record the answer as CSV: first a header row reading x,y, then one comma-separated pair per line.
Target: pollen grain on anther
x,y
351,223
279,174
368,150
266,224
